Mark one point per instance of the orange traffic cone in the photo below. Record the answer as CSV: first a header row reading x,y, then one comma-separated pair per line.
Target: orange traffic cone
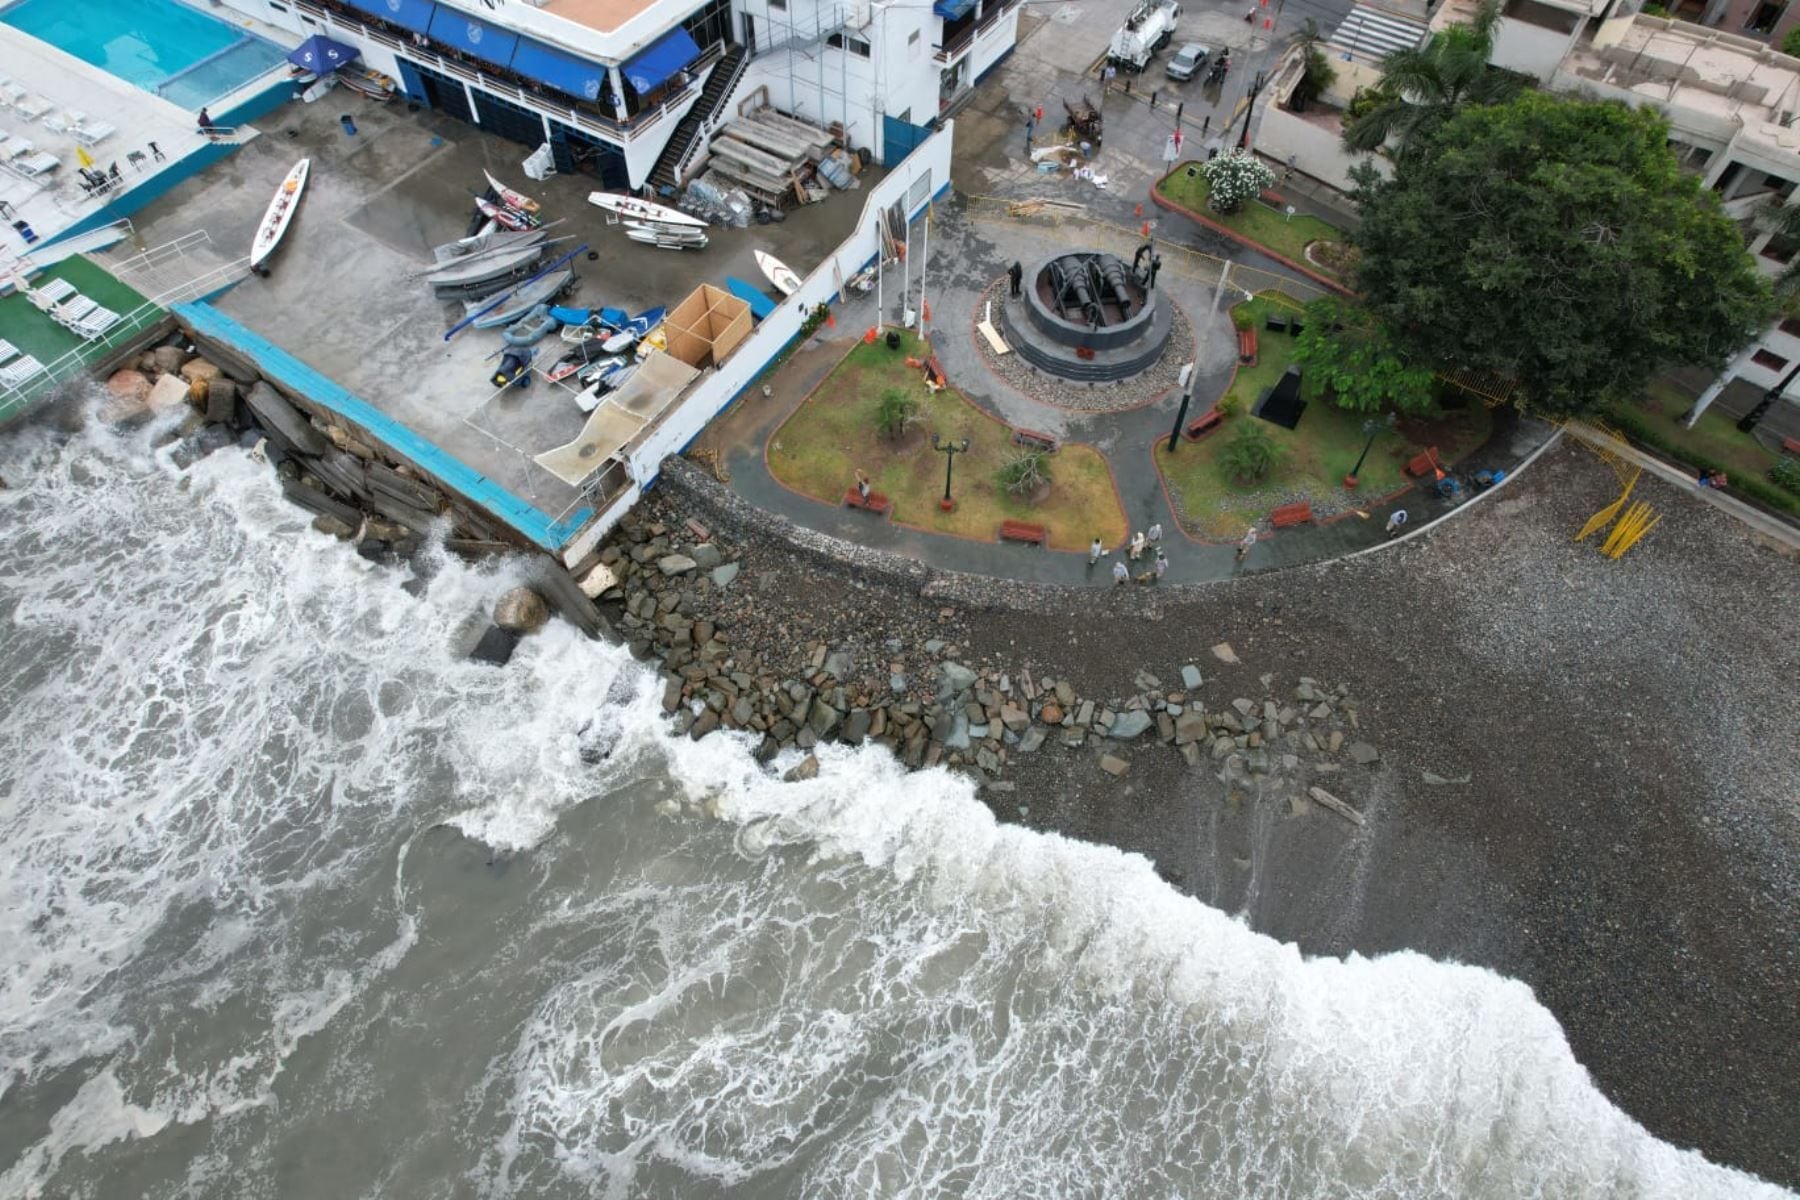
x,y
830,319
1138,211
869,337
926,305
1144,229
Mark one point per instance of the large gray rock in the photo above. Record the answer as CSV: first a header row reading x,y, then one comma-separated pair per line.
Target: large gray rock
x,y
1113,765
521,611
1190,727
806,768
284,421
675,564
722,576
1190,677
1128,725
1363,753
706,556
954,679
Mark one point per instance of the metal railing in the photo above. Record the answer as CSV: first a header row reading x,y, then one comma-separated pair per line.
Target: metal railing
x,y
628,130
711,120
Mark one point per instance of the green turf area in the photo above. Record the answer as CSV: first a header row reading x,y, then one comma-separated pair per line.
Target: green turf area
x,y
1316,455
832,435
34,333
1715,435
1255,221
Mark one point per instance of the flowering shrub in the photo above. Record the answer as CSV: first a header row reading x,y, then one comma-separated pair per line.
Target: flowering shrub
x,y
1233,178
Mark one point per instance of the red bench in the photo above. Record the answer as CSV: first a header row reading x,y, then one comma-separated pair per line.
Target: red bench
x,y
936,370
1247,347
1423,464
1791,446
1036,439
1297,513
1273,198
1204,424
876,503
1023,531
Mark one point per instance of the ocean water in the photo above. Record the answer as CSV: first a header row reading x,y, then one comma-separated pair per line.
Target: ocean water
x,y
298,904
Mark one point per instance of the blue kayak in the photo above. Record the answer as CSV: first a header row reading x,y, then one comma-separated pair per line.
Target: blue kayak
x,y
759,302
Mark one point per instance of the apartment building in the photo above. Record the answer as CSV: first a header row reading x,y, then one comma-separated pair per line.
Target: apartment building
x,y
630,90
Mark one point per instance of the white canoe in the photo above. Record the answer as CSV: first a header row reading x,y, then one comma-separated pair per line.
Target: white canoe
x,y
510,198
281,212
785,281
666,241
643,210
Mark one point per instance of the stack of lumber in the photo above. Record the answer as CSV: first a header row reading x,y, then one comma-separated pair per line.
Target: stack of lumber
x,y
769,155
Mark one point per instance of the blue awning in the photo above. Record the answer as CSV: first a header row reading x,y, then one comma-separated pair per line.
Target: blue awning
x,y
564,72
408,14
321,55
487,42
953,10
666,55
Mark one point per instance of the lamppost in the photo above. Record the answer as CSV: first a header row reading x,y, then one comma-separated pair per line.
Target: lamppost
x,y
1370,427
1187,393
949,450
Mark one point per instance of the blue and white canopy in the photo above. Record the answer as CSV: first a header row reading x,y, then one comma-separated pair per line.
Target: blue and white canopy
x,y
665,56
321,55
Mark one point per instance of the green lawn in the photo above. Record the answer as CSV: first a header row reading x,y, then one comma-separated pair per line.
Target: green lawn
x,y
1714,436
1256,221
1317,455
34,333
832,435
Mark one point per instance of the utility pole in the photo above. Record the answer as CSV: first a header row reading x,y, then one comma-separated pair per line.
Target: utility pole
x,y
1753,418
1256,86
1187,393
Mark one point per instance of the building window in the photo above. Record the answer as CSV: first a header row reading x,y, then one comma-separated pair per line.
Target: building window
x,y
1764,17
778,5
1768,361
857,46
711,24
277,7
1780,249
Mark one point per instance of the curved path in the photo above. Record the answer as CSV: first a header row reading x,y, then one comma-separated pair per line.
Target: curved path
x,y
968,252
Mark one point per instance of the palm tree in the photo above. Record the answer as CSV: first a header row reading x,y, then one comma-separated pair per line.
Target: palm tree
x,y
1423,87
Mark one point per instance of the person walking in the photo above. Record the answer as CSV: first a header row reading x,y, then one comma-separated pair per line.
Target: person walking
x,y
1096,552
862,486
1030,128
1162,565
1154,536
1016,274
1121,573
1249,541
1396,522
1137,545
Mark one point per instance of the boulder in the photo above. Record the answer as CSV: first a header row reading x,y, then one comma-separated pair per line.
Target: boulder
x,y
1190,677
1051,714
806,768
1128,725
706,556
1364,754
675,564
1190,727
723,575
521,611
1113,765
326,523
169,392
496,646
955,678
284,421
199,370
166,359
221,400
1224,653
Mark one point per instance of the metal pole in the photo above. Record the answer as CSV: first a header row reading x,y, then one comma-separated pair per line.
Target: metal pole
x,y
880,262
905,263
1219,292
924,257
1187,393
1370,427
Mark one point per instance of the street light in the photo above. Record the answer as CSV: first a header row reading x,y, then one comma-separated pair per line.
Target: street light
x,y
1187,393
1370,427
949,450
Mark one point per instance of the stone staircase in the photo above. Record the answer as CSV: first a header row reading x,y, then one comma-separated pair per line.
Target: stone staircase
x,y
690,135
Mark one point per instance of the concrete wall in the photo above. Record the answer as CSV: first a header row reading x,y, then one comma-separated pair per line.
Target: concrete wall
x,y
1316,150
993,43
1529,49
925,173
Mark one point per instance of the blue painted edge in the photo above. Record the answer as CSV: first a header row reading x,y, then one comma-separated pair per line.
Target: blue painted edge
x,y
282,367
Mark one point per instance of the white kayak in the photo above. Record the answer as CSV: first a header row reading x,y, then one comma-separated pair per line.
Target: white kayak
x,y
281,213
785,281
643,210
510,198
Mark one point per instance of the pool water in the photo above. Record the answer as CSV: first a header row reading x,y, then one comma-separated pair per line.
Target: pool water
x,y
162,46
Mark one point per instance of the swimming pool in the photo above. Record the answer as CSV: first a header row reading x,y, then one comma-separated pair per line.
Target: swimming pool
x,y
162,46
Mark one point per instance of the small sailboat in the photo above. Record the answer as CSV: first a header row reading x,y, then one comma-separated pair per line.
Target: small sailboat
x,y
643,210
494,238
527,297
530,328
785,281
509,218
510,198
281,212
664,240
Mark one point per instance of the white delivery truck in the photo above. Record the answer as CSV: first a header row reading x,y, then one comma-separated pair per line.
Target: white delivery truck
x,y
1149,28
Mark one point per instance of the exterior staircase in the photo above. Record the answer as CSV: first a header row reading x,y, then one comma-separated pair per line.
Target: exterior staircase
x,y
691,134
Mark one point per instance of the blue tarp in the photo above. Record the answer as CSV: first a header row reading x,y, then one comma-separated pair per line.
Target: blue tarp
x,y
564,72
408,14
487,42
953,10
321,55
665,56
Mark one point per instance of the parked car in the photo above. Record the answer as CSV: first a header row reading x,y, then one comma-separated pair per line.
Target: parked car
x,y
1187,61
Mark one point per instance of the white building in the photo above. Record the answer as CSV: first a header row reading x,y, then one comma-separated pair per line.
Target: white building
x,y
629,90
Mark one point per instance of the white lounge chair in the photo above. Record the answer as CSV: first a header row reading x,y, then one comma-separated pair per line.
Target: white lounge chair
x,y
11,93
92,133
73,310
19,371
41,163
95,323
7,350
57,122
32,107
56,291
18,147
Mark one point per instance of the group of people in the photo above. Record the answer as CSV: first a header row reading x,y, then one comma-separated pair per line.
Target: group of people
x,y
1145,542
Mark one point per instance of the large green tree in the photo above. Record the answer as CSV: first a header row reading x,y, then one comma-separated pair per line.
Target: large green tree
x,y
1423,87
1345,349
1556,243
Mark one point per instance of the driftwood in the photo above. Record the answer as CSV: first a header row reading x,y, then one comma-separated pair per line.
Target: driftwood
x,y
1335,805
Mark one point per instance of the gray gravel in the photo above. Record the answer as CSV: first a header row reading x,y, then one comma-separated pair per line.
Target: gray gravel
x,y
1587,776
1121,396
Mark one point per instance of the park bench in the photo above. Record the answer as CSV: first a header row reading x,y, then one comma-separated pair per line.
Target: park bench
x,y
936,368
876,503
1203,424
1247,347
1273,199
1297,513
1036,439
1423,464
1023,531
1275,322
1791,446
